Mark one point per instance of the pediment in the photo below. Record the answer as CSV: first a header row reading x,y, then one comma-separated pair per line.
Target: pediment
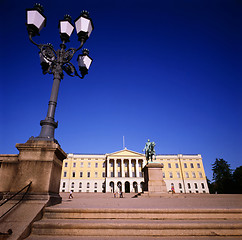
x,y
125,153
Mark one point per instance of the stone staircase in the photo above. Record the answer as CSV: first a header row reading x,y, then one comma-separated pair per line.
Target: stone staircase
x,y
64,222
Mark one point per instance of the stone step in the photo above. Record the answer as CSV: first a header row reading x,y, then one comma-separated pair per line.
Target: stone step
x,y
44,237
136,227
75,213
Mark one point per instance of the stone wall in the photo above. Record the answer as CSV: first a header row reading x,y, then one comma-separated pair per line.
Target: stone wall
x,y
8,171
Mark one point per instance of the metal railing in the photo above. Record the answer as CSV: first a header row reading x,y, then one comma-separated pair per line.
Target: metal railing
x,y
28,186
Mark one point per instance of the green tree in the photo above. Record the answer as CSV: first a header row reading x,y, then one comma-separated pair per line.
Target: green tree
x,y
222,176
210,186
237,178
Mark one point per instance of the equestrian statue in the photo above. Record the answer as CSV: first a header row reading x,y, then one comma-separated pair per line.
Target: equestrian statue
x,y
149,150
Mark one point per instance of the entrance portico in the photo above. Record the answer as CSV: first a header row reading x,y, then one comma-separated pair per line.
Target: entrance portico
x,y
124,171
124,184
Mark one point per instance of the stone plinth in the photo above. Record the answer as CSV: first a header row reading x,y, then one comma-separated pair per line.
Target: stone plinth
x,y
40,162
8,170
154,182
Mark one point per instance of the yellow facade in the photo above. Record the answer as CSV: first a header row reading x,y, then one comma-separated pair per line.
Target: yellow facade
x,y
104,172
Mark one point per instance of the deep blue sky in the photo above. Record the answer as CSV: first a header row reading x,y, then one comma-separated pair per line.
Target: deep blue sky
x,y
169,71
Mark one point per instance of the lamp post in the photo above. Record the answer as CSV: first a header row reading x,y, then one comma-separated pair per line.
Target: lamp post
x,y
56,61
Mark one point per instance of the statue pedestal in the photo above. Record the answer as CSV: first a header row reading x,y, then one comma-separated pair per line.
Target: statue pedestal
x,y
154,182
39,162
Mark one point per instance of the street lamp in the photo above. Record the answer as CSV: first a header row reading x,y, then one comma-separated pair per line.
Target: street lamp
x,y
56,61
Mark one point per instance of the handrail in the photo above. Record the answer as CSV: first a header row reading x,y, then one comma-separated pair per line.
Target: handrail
x,y
28,186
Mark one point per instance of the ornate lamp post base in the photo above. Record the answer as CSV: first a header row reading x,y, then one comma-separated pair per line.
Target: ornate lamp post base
x,y
47,131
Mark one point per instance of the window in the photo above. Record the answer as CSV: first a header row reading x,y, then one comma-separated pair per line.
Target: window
x,y
133,174
88,185
171,175
88,174
189,185
111,164
202,185
95,185
193,175
89,165
104,164
66,164
200,174
140,164
72,185
80,185
63,184
96,174
111,174
164,175
96,165
132,164
180,185
73,174
169,165
126,164
192,165
82,164
198,165
74,164
103,174
185,165
140,174
81,174
187,175
176,165
64,174
119,174
195,185
178,174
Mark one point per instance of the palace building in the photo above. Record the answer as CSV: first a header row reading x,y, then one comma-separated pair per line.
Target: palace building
x,y
123,170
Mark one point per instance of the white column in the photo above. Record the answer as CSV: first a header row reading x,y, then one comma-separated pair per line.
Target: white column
x,y
137,168
138,187
122,168
108,168
144,161
115,167
130,170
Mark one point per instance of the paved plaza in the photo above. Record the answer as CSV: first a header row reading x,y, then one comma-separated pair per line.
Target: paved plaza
x,y
167,201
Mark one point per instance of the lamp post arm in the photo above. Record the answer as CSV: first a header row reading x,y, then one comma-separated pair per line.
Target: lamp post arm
x,y
81,45
71,51
46,50
31,40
